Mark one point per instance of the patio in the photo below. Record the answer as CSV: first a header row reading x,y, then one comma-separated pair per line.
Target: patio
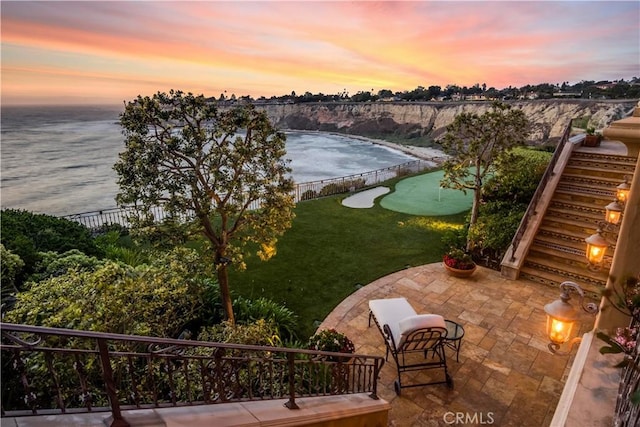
x,y
506,375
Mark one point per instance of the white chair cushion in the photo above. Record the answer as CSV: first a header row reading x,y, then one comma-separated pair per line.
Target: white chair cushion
x,y
419,321
390,312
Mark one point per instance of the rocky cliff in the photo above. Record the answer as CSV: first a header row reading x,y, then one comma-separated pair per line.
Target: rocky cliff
x,y
427,121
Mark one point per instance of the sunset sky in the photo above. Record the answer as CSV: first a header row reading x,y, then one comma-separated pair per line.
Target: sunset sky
x,y
106,52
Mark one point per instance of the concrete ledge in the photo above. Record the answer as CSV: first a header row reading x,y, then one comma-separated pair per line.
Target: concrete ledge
x,y
357,410
589,396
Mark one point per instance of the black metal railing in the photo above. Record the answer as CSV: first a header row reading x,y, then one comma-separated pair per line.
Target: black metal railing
x,y
533,204
304,191
56,371
627,412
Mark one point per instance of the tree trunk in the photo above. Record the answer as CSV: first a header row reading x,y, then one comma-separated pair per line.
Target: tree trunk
x,y
477,194
474,216
225,294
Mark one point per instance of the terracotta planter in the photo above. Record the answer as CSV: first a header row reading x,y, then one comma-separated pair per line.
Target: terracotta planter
x,y
455,272
592,141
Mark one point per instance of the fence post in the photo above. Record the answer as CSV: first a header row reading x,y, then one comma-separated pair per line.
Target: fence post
x,y
291,404
107,376
376,374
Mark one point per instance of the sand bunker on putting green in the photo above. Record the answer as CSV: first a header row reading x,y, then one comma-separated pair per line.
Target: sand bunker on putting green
x,y
422,195
365,199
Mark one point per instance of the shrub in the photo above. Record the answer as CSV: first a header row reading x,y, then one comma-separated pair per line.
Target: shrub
x,y
27,234
11,265
459,259
331,340
248,311
156,299
260,332
114,247
309,195
54,264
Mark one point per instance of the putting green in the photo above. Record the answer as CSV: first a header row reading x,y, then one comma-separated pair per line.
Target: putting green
x,y
422,195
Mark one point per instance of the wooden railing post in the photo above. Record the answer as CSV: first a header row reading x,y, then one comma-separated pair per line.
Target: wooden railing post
x,y
291,404
107,376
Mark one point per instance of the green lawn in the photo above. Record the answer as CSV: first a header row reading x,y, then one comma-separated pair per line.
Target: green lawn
x,y
331,250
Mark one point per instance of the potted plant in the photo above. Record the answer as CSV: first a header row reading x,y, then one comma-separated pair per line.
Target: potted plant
x,y
331,340
593,138
458,263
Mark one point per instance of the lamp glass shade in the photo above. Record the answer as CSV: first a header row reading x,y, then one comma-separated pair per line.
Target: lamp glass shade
x,y
596,248
558,330
561,317
613,212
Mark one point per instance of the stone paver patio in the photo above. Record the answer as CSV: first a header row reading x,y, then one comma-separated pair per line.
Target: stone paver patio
x,y
506,375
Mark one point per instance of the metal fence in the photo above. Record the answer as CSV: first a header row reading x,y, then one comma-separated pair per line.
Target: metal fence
x,y
627,411
49,371
304,191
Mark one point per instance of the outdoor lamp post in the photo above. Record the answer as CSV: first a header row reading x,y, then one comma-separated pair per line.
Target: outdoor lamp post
x,y
613,211
622,190
561,316
596,248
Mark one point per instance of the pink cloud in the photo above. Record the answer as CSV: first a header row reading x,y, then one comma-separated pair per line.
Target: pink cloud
x,y
264,48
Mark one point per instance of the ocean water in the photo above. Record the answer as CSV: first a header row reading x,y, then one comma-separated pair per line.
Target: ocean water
x,y
59,160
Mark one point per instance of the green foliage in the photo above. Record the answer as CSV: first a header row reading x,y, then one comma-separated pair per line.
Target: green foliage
x,y
331,340
119,247
11,265
156,299
54,264
260,332
309,195
458,258
505,198
249,311
475,143
492,233
27,234
223,167
341,187
516,176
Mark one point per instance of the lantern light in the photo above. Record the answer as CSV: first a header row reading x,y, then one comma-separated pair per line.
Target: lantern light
x,y
613,211
561,316
622,190
596,247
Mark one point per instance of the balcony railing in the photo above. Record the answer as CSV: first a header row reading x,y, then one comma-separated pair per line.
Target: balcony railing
x,y
56,371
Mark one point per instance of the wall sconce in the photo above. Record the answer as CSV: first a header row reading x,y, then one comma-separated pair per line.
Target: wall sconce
x,y
596,248
561,316
622,190
613,212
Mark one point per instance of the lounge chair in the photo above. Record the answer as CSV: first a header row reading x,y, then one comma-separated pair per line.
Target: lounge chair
x,y
407,334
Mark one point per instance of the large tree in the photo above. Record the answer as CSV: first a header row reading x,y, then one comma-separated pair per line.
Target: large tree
x,y
475,142
223,168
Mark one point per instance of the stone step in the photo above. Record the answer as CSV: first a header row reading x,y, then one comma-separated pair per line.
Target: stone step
x,y
609,162
578,226
591,289
596,179
571,194
587,215
613,158
551,236
577,206
581,183
575,273
562,255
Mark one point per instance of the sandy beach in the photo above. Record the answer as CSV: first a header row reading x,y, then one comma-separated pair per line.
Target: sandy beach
x,y
424,153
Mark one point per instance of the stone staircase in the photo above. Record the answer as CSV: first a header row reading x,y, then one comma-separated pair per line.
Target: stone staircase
x,y
587,185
